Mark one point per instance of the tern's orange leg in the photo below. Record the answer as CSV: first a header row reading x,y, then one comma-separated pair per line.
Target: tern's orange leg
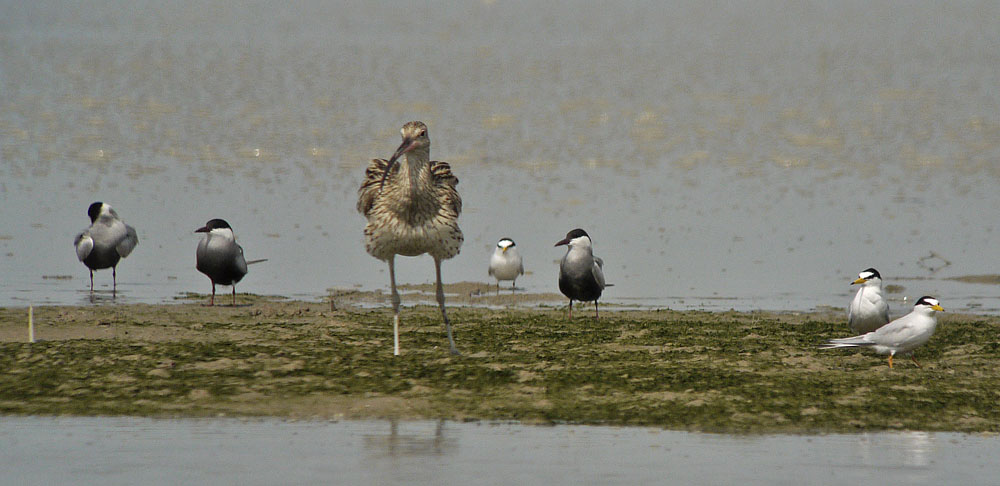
x,y
890,361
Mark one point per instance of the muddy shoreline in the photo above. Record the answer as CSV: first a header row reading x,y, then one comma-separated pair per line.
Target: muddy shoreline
x,y
522,360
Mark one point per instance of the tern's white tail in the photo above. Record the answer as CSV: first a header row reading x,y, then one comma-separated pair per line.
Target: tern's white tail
x,y
848,342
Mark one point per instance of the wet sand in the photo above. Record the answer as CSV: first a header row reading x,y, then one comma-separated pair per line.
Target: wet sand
x,y
522,360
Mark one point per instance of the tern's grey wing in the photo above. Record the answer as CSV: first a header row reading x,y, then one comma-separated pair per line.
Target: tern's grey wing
x,y
885,312
128,243
84,244
241,262
520,267
896,332
370,186
599,271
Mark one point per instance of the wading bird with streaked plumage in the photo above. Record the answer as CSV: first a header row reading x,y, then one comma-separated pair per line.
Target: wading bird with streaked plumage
x,y
412,208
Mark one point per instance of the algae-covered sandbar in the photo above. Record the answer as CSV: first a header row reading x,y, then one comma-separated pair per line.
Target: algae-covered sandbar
x,y
727,372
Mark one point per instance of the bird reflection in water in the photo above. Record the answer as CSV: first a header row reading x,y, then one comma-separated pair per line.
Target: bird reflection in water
x,y
416,440
912,449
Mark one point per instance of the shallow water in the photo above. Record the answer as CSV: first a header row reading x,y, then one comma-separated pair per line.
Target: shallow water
x,y
748,156
102,450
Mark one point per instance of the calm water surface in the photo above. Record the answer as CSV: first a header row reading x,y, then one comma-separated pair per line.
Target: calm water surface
x,y
749,156
107,451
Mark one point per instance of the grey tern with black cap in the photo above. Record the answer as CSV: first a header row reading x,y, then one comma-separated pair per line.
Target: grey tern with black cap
x,y
105,242
581,274
220,257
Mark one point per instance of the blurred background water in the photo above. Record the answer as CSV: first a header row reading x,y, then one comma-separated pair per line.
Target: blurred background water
x,y
748,155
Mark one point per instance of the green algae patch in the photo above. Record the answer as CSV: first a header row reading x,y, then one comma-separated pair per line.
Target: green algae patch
x,y
722,372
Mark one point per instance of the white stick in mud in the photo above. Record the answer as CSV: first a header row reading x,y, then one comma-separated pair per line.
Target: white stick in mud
x,y
31,325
